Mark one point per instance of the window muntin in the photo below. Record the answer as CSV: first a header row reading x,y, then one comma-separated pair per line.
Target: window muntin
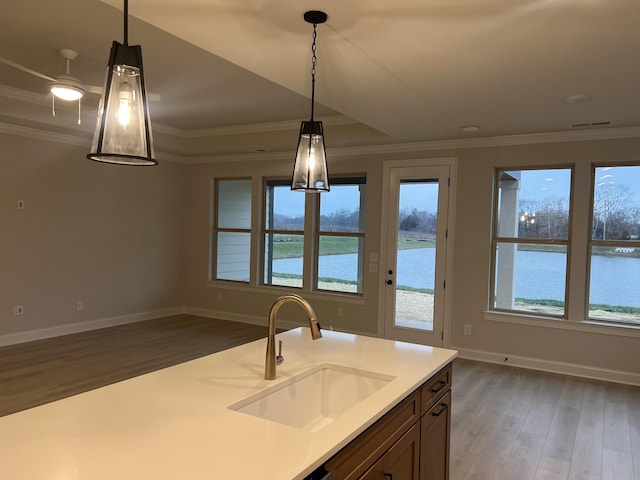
x,y
232,230
531,275
340,236
614,247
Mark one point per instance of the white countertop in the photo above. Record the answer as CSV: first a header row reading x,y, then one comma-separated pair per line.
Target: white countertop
x,y
174,424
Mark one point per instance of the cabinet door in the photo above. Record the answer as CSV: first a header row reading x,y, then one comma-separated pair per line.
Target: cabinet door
x,y
400,462
435,428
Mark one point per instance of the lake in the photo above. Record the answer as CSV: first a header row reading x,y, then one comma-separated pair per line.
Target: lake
x,y
540,275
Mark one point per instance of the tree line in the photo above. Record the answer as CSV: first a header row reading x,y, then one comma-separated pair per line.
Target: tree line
x,y
615,217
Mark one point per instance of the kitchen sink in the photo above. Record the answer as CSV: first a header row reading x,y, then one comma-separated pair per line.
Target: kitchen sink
x,y
314,398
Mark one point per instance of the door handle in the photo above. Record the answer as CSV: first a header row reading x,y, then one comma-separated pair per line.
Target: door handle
x,y
388,475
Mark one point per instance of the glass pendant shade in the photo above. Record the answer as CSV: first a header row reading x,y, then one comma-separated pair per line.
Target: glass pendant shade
x,y
310,167
123,131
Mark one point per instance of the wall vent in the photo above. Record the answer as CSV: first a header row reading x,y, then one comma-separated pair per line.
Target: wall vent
x,y
605,123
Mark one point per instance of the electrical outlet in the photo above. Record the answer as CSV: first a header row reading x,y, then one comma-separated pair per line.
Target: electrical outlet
x,y
79,305
219,296
340,312
467,329
20,204
18,310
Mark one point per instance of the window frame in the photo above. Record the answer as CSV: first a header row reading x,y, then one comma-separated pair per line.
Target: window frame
x,y
264,231
591,243
496,239
360,235
578,257
216,230
311,230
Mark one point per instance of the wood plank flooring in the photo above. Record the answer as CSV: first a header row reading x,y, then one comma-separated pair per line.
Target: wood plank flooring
x,y
507,423
39,372
517,424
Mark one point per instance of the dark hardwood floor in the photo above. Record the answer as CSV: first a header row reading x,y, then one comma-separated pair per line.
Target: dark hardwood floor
x,y
507,423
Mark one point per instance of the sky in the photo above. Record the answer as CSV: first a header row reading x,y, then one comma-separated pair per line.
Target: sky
x,y
536,185
539,184
413,195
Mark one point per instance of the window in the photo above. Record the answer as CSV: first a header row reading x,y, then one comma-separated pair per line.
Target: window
x,y
333,260
614,250
232,230
531,241
283,234
340,236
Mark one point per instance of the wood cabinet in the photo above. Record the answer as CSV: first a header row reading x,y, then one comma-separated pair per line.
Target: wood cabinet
x,y
411,442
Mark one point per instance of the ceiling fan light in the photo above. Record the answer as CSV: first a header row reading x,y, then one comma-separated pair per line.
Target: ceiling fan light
x,y
67,88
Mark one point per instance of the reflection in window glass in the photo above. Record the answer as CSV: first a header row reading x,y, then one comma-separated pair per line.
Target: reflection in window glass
x,y
232,230
231,260
614,280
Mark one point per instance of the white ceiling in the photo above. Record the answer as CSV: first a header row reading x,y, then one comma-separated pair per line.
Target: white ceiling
x,y
392,71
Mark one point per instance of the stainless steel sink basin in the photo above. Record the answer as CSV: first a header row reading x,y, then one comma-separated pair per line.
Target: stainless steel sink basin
x,y
312,399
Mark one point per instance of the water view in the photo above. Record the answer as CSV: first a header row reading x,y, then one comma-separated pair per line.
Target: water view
x,y
539,274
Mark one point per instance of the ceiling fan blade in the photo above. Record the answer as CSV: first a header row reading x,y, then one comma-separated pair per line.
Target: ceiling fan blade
x,y
152,97
26,69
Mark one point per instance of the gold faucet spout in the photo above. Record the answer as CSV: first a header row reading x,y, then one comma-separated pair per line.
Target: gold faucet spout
x,y
270,363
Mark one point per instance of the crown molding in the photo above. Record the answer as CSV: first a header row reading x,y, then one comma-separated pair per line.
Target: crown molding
x,y
184,156
46,135
333,120
453,144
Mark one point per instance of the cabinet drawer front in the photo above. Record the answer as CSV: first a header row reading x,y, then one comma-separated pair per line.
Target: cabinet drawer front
x,y
435,432
354,460
435,388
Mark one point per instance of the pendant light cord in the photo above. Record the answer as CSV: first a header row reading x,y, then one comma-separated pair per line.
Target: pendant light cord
x,y
314,63
126,22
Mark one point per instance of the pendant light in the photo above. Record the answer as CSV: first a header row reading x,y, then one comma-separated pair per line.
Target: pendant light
x,y
310,167
123,132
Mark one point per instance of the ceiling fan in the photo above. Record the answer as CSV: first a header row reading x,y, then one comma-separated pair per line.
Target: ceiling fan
x,y
64,86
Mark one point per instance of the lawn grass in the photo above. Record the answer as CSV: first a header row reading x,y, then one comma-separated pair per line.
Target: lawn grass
x,y
292,246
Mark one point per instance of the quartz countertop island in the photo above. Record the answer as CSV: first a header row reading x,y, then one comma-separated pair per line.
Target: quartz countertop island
x,y
175,423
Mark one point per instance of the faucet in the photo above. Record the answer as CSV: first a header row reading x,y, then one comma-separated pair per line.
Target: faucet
x,y
272,360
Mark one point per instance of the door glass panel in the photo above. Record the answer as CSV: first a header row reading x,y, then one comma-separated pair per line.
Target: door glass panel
x,y
415,260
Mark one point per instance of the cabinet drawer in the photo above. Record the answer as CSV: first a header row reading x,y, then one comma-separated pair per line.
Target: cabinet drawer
x,y
435,432
435,388
357,457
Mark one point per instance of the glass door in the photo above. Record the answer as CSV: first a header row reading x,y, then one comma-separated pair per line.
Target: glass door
x,y
415,257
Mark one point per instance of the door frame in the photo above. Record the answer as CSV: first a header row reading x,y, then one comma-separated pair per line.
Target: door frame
x,y
451,163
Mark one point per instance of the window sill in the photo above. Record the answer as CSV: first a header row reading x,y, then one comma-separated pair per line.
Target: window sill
x,y
356,299
589,326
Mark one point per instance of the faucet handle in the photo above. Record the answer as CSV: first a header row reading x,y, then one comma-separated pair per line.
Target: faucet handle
x,y
279,357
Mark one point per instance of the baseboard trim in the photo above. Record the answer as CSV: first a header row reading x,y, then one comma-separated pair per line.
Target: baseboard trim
x,y
257,320
617,376
240,318
71,328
